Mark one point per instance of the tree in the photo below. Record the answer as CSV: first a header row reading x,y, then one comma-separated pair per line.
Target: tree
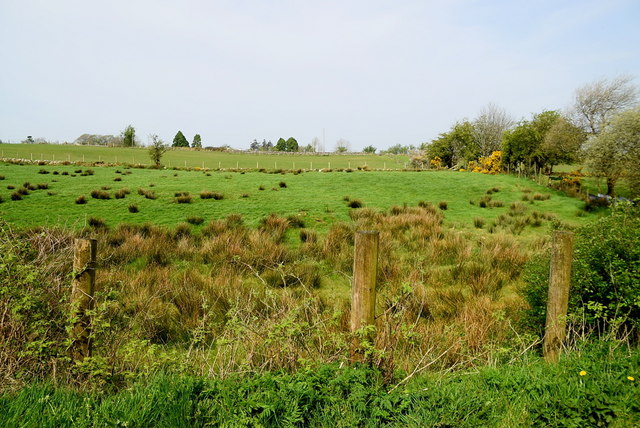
x,y
454,148
616,151
98,140
342,145
369,149
180,140
523,144
488,128
197,142
398,149
156,149
129,136
254,146
596,103
562,143
281,145
290,145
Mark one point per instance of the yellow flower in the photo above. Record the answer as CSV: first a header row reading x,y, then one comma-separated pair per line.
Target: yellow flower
x,y
582,373
631,378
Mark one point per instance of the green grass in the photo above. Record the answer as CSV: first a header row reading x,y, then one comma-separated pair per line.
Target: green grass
x,y
198,158
526,393
317,197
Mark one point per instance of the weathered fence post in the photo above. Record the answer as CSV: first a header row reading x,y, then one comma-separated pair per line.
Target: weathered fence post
x,y
558,303
84,280
363,291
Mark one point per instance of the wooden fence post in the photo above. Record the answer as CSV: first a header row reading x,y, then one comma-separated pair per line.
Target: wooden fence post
x,y
84,280
558,303
363,291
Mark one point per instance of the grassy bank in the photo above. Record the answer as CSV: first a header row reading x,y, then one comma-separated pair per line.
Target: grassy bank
x,y
592,387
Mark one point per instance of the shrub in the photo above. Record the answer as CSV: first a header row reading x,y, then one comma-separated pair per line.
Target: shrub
x,y
133,208
245,195
10,187
496,204
81,200
22,191
606,269
29,186
195,220
206,194
282,184
15,196
605,277
1,177
64,173
261,187
106,188
355,203
43,171
178,194
117,179
443,205
100,194
42,186
96,222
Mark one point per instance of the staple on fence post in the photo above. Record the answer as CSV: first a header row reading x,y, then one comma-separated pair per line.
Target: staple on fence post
x,y
558,302
83,287
363,292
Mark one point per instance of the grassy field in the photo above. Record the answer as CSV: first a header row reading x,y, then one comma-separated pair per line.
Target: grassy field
x,y
317,198
198,158
231,290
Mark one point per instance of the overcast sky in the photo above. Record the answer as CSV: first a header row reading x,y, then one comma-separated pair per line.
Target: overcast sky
x,y
371,72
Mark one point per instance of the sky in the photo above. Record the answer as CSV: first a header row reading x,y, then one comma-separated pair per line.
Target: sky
x,y
371,72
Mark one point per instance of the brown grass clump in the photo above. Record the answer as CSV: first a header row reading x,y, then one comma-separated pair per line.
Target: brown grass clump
x,y
100,194
96,222
195,220
275,226
184,199
541,196
80,200
121,193
355,203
